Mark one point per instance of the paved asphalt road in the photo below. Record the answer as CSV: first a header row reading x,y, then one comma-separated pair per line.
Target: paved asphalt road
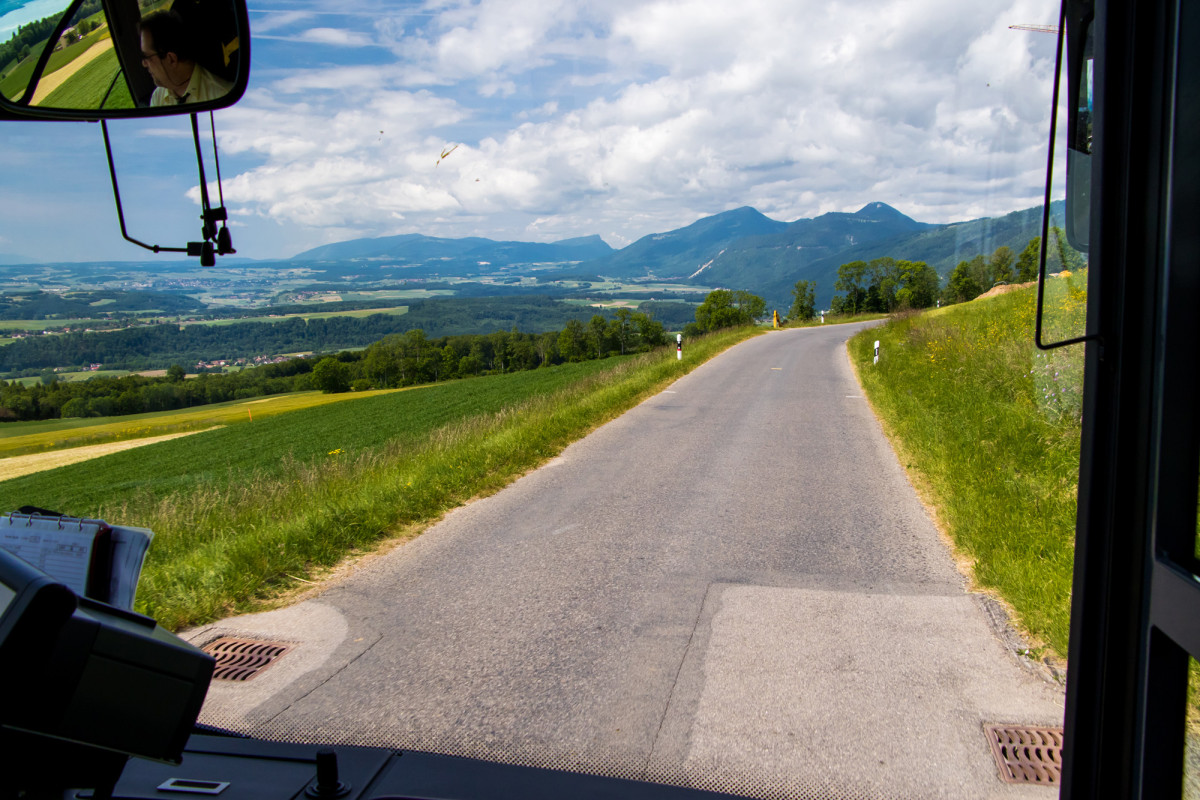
x,y
731,586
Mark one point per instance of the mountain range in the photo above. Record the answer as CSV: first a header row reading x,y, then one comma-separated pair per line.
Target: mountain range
x,y
417,249
741,248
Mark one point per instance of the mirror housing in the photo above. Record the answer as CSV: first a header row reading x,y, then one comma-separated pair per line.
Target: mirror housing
x,y
86,62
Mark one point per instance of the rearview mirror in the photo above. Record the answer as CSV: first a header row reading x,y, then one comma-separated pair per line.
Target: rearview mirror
x,y
108,59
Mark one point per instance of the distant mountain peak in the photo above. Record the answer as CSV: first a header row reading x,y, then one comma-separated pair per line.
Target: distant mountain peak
x,y
880,211
583,241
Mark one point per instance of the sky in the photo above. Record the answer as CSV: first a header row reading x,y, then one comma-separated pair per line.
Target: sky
x,y
562,119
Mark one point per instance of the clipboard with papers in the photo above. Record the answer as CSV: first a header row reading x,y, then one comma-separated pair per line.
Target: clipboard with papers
x,y
89,556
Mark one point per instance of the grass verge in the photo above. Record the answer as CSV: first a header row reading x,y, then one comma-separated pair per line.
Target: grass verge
x,y
988,427
239,516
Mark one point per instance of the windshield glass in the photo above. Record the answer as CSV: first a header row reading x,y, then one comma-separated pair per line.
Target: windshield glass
x,y
469,234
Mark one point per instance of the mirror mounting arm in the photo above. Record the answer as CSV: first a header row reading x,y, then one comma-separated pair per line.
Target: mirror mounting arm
x,y
205,249
112,172
211,216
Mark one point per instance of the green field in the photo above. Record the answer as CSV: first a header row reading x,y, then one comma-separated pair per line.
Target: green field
x,y
599,304
651,288
86,375
240,511
90,87
67,377
20,438
396,294
44,324
362,312
263,445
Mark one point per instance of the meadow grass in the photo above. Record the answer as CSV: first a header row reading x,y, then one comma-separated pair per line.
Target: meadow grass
x,y
989,427
243,512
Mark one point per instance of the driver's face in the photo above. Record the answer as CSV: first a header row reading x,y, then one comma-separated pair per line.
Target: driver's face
x,y
152,60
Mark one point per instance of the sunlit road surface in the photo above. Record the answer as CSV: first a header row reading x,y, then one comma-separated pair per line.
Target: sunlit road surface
x,y
733,587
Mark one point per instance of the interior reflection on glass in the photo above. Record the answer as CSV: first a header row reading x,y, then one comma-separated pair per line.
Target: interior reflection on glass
x,y
141,53
1079,150
185,56
1086,101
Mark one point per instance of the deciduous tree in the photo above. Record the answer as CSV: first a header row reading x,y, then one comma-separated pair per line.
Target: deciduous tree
x,y
962,284
852,279
727,309
1027,262
331,376
804,300
1001,265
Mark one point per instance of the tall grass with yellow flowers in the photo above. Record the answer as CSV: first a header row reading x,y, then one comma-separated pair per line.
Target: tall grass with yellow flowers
x,y
989,428
241,513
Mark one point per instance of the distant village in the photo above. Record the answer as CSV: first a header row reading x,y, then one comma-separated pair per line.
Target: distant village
x,y
256,361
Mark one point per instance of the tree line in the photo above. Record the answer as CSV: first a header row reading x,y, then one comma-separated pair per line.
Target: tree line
x,y
394,361
885,285
410,358
969,279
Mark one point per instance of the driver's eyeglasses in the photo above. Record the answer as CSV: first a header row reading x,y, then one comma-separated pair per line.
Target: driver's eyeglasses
x,y
148,56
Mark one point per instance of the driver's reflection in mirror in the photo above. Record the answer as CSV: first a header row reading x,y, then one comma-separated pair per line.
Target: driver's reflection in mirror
x,y
169,54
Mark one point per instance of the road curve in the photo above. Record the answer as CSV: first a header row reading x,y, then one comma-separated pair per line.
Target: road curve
x,y
732,586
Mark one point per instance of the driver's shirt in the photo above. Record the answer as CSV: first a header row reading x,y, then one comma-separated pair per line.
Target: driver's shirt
x,y
202,87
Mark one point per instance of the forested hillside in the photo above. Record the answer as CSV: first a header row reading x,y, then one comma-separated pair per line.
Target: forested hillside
x,y
82,305
680,253
771,264
159,346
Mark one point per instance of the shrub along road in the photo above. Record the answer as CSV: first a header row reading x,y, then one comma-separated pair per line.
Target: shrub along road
x,y
731,586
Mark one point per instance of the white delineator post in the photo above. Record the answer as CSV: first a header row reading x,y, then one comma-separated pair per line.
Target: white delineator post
x,y
679,347
876,352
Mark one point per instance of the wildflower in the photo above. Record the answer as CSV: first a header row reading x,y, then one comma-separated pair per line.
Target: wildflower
x,y
335,452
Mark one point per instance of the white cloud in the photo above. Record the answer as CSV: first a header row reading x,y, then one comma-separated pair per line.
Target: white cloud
x,y
636,117
335,36
265,22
